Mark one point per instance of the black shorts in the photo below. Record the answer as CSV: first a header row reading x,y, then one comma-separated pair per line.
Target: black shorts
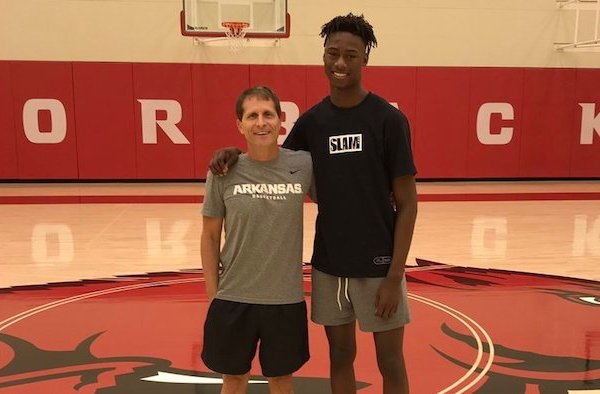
x,y
232,331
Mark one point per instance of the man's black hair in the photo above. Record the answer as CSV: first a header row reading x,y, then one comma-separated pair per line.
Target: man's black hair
x,y
354,24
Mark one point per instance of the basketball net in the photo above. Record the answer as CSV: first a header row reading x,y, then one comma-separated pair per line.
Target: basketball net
x,y
235,32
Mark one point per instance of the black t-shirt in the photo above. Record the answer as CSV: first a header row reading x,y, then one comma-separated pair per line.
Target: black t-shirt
x,y
356,154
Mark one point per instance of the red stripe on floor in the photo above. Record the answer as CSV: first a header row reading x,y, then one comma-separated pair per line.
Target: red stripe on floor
x,y
510,196
99,199
179,199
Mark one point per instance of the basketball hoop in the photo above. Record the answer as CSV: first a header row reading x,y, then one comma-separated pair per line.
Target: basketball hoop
x,y
235,32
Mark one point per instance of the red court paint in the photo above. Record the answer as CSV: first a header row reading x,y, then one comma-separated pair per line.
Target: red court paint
x,y
473,330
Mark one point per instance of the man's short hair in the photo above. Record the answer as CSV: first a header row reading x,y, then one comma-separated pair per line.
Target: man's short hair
x,y
263,93
354,24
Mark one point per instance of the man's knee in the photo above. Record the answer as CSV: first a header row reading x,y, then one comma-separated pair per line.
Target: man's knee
x,y
391,364
342,343
281,384
235,384
236,377
342,354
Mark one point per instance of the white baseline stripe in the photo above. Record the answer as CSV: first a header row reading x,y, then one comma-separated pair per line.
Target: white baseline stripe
x,y
33,311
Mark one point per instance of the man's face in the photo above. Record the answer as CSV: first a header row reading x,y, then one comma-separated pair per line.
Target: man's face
x,y
344,57
260,123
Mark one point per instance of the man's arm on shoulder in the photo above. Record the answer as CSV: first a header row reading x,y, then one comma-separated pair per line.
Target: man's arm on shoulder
x,y
210,251
405,198
223,159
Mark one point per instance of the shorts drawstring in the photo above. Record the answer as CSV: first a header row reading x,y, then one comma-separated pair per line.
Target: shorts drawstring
x,y
345,292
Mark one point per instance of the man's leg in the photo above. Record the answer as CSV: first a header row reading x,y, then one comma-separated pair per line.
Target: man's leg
x,y
281,385
342,352
390,359
235,384
283,344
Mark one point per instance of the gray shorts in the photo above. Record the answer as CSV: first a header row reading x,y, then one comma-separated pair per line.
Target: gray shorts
x,y
336,301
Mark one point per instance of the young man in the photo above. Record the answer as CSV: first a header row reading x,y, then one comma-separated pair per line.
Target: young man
x,y
361,154
258,297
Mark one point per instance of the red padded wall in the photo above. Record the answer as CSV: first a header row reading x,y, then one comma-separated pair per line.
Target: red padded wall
x,y
395,84
172,156
45,81
164,121
317,85
8,144
216,88
585,158
495,85
442,122
548,116
105,126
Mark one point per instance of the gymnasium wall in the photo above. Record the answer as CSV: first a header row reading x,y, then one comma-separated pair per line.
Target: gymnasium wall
x,y
96,89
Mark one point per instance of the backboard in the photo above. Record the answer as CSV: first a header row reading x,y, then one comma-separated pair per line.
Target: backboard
x,y
265,18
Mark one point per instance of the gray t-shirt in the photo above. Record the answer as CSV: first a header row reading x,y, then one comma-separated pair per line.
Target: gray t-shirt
x,y
262,206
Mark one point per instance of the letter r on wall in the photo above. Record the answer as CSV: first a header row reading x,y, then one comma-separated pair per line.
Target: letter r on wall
x,y
169,125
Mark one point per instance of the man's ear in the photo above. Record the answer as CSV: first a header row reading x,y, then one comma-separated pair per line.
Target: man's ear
x,y
365,59
238,123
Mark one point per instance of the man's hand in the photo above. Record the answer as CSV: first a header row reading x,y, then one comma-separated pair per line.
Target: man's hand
x,y
388,296
223,160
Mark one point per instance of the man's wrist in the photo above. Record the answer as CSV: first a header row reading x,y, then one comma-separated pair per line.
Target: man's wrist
x,y
395,275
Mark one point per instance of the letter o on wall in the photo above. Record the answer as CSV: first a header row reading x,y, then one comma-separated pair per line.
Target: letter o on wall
x,y
31,125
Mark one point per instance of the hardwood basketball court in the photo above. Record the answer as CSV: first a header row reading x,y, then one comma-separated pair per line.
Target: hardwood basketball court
x,y
503,282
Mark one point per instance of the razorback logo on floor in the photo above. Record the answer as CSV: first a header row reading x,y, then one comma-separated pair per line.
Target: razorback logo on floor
x,y
34,370
473,331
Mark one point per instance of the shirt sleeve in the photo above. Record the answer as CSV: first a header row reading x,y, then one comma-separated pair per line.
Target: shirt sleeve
x,y
397,146
312,189
214,204
296,140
